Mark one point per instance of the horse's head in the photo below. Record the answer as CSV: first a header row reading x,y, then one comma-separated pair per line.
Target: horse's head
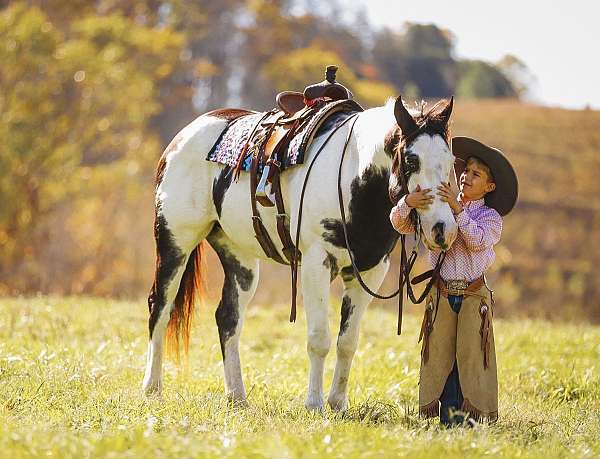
x,y
422,157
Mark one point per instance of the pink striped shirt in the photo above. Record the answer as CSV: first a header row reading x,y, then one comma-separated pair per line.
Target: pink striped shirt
x,y
472,253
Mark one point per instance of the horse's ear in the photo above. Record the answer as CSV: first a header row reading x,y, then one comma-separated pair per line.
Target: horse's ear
x,y
447,110
404,119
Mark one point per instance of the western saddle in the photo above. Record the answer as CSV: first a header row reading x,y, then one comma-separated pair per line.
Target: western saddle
x,y
295,110
297,117
296,114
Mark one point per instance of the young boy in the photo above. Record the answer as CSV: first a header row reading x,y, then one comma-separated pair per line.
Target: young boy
x,y
458,361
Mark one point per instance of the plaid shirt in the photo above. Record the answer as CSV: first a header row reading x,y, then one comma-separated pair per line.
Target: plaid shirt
x,y
472,253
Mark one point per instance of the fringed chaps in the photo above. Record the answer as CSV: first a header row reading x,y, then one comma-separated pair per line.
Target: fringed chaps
x,y
426,328
468,338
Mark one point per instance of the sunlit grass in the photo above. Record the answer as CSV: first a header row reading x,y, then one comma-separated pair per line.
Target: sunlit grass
x,y
71,369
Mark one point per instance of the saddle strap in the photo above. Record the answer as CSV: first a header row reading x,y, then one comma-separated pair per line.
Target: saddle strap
x,y
290,251
260,232
283,225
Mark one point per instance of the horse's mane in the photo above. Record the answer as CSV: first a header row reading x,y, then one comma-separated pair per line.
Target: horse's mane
x,y
435,123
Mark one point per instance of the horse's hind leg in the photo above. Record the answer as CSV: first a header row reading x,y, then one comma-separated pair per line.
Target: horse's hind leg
x,y
354,304
173,247
241,279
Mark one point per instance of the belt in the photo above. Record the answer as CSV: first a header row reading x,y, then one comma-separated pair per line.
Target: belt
x,y
460,287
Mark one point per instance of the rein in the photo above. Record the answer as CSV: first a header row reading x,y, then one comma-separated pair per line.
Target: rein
x,y
406,264
297,255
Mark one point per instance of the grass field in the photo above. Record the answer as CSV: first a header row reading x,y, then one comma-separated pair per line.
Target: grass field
x,y
71,370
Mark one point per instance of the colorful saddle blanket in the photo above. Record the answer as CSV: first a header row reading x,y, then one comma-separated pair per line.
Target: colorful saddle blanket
x,y
231,143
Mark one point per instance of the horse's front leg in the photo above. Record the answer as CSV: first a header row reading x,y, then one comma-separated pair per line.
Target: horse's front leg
x,y
354,304
315,291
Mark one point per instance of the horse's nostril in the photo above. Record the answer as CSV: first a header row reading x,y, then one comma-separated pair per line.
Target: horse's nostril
x,y
438,233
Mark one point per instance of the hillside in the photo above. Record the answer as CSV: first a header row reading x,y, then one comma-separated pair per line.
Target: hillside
x,y
547,258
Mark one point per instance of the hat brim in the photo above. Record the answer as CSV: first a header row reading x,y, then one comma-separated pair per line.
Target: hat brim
x,y
504,197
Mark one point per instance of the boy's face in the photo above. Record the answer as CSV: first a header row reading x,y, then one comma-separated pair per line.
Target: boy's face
x,y
475,181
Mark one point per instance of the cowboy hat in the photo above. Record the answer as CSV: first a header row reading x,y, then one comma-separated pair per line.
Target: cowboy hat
x,y
504,197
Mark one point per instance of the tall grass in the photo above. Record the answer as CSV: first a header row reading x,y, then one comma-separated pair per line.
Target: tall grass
x,y
71,369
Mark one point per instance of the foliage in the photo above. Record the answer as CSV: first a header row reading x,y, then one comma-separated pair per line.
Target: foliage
x,y
71,99
420,56
479,79
71,372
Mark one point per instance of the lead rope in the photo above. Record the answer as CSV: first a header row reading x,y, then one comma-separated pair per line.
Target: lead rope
x,y
406,264
343,214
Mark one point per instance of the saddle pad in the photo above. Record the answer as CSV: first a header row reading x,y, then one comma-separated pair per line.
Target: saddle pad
x,y
230,145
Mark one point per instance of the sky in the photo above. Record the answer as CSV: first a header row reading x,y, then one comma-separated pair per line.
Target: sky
x,y
559,41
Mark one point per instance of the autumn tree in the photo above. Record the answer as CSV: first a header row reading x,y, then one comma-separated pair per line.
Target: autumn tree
x,y
72,100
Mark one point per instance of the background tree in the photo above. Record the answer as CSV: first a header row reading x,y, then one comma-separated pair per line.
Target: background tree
x,y
417,60
72,101
479,79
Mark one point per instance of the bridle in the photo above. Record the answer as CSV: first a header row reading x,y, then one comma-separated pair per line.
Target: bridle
x,y
406,263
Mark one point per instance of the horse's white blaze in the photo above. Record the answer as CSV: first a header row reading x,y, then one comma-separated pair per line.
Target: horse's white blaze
x,y
436,163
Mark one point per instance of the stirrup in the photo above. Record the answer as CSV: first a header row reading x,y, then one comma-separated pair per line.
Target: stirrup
x,y
261,193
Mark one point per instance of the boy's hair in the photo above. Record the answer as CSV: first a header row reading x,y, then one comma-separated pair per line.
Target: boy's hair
x,y
483,165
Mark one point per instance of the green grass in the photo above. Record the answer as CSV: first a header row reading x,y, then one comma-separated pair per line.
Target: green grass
x,y
71,370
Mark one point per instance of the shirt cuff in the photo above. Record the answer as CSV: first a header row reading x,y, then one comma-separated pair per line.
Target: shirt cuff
x,y
402,209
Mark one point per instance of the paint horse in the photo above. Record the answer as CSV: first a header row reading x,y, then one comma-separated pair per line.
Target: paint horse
x,y
197,200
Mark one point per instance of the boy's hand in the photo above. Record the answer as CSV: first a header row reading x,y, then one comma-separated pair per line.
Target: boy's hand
x,y
419,199
449,194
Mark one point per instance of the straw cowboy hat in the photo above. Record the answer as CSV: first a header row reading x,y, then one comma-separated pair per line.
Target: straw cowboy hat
x,y
504,197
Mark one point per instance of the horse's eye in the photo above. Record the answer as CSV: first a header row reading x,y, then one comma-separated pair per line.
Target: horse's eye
x,y
412,164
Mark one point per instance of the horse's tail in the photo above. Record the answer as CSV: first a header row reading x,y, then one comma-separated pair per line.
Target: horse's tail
x,y
191,289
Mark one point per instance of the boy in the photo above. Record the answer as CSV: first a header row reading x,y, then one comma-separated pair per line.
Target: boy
x,y
458,361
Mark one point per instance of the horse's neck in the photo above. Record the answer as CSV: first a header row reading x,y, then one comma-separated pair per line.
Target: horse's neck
x,y
370,132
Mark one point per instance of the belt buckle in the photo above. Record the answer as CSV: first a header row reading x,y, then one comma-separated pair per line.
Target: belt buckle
x,y
457,287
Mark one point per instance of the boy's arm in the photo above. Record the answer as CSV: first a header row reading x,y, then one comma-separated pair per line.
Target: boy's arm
x,y
480,233
400,217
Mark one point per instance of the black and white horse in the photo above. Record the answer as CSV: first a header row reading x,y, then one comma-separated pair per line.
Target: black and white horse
x,y
197,200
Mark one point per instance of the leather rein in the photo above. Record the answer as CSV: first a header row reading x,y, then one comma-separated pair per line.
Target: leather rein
x,y
406,263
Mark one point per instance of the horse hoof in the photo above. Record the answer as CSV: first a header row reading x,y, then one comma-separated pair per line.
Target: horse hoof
x,y
152,389
314,403
238,401
337,403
